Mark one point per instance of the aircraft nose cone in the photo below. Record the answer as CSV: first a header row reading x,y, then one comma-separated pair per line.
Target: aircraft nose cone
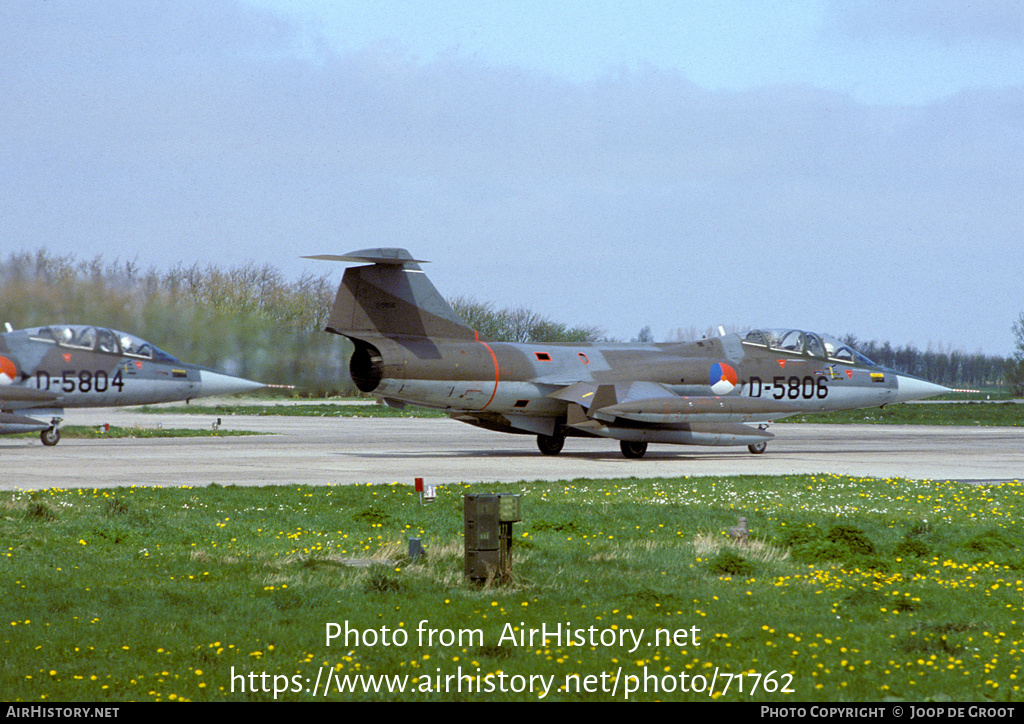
x,y
216,383
912,388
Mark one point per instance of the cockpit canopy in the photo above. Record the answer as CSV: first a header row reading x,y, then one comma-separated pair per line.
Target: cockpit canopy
x,y
813,345
77,336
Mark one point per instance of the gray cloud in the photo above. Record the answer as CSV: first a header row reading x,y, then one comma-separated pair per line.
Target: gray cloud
x,y
944,20
207,132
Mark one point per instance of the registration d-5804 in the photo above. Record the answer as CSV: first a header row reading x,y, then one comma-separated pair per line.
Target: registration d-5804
x,y
80,381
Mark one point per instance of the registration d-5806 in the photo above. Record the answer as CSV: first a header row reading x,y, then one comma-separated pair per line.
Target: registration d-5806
x,y
793,387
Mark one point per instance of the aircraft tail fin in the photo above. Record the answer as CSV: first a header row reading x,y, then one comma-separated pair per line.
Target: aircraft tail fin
x,y
391,297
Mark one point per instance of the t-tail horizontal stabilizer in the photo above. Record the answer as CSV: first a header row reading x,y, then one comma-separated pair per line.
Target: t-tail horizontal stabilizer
x,y
392,257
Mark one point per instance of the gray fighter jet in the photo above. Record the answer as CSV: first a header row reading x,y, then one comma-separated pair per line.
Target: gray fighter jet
x,y
46,369
412,348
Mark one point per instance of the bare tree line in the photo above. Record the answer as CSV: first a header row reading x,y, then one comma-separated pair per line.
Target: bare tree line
x,y
246,320
251,321
519,324
952,368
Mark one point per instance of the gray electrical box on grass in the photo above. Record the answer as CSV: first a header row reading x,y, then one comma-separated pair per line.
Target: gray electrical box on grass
x,y
488,521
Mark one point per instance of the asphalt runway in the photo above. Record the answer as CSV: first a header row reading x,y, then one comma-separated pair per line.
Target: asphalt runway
x,y
344,451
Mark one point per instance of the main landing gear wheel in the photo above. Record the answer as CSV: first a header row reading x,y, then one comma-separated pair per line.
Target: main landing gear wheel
x,y
50,436
757,448
632,449
550,444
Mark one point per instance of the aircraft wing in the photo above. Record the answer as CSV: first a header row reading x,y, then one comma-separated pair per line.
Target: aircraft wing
x,y
13,397
11,424
676,409
595,395
655,404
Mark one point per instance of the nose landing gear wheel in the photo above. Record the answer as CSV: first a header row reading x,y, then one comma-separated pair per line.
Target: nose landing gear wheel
x,y
757,448
50,436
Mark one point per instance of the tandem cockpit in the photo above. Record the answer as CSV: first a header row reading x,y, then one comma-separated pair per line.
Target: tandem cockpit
x,y
796,341
44,370
99,339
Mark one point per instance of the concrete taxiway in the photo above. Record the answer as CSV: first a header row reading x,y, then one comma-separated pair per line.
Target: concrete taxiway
x,y
342,451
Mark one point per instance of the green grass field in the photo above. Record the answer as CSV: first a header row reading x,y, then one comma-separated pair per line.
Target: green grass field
x,y
848,589
1000,414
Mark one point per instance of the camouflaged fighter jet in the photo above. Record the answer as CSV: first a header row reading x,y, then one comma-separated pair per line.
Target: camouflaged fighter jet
x,y
411,348
46,369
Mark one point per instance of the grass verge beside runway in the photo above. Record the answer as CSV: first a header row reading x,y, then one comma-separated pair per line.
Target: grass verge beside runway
x,y
972,414
86,432
302,409
848,589
1002,414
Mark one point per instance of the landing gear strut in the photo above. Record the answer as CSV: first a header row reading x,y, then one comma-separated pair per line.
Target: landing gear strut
x,y
550,444
633,449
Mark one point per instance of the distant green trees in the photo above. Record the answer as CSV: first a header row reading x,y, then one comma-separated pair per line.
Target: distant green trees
x,y
1015,365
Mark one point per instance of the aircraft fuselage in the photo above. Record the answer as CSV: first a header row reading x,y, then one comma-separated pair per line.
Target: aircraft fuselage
x,y
528,388
411,348
44,370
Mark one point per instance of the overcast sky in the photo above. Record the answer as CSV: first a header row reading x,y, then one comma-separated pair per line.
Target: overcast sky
x,y
844,167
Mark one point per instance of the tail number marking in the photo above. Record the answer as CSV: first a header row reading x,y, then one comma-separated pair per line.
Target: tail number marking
x,y
80,381
793,388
